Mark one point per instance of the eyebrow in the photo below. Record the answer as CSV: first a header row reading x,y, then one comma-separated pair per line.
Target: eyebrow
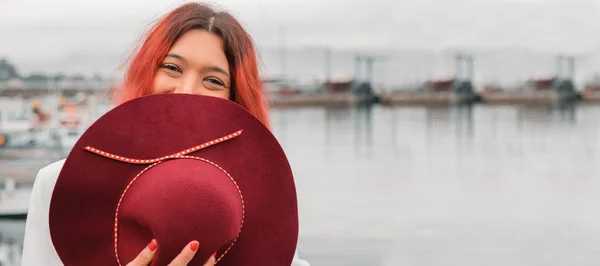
x,y
177,57
218,69
213,68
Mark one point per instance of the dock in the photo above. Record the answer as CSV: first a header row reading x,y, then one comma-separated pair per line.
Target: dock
x,y
425,98
590,97
528,97
319,99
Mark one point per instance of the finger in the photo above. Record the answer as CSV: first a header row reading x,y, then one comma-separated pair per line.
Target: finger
x,y
186,255
145,257
211,261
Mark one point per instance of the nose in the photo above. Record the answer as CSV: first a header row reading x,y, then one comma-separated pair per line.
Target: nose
x,y
188,84
184,88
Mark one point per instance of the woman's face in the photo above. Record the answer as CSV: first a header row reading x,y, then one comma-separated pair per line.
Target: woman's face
x,y
195,64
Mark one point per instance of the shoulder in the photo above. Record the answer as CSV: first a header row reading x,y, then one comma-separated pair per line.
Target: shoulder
x,y
37,246
47,176
50,171
299,262
44,183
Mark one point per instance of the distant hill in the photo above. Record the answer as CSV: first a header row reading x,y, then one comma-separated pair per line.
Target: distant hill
x,y
7,70
502,66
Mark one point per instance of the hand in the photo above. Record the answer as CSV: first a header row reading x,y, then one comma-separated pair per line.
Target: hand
x,y
186,255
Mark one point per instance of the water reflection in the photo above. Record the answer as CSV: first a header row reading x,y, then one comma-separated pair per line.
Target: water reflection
x,y
467,185
363,128
549,115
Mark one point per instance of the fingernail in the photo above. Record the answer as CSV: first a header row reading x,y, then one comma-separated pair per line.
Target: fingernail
x,y
194,246
152,245
215,254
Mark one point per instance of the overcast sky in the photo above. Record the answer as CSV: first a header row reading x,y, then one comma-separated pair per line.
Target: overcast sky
x,y
52,29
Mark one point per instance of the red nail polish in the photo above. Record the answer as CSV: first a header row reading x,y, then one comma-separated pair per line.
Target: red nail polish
x,y
194,246
152,245
215,254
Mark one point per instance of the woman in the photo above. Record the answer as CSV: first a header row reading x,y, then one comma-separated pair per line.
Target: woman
x,y
193,49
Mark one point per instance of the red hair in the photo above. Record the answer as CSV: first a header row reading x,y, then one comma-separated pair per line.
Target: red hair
x,y
238,46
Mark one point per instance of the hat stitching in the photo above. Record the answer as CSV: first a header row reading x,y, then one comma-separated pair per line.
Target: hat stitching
x,y
174,155
116,226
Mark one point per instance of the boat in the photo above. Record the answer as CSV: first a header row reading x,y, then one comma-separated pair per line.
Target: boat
x,y
24,127
71,124
14,200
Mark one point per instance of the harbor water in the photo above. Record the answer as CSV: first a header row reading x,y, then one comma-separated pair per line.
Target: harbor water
x,y
429,186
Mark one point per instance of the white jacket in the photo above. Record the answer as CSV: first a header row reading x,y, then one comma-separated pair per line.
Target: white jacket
x,y
37,247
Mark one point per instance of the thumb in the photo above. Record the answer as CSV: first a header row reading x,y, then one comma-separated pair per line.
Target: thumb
x,y
145,257
211,261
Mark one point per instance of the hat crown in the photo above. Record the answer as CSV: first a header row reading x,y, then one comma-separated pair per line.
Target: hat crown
x,y
150,209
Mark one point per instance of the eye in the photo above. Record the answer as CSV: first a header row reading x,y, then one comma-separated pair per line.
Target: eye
x,y
215,81
171,67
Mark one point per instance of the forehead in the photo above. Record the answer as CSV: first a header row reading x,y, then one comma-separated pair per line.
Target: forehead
x,y
202,48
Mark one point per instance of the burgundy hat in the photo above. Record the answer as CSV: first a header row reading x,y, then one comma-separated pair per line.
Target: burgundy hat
x,y
175,168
